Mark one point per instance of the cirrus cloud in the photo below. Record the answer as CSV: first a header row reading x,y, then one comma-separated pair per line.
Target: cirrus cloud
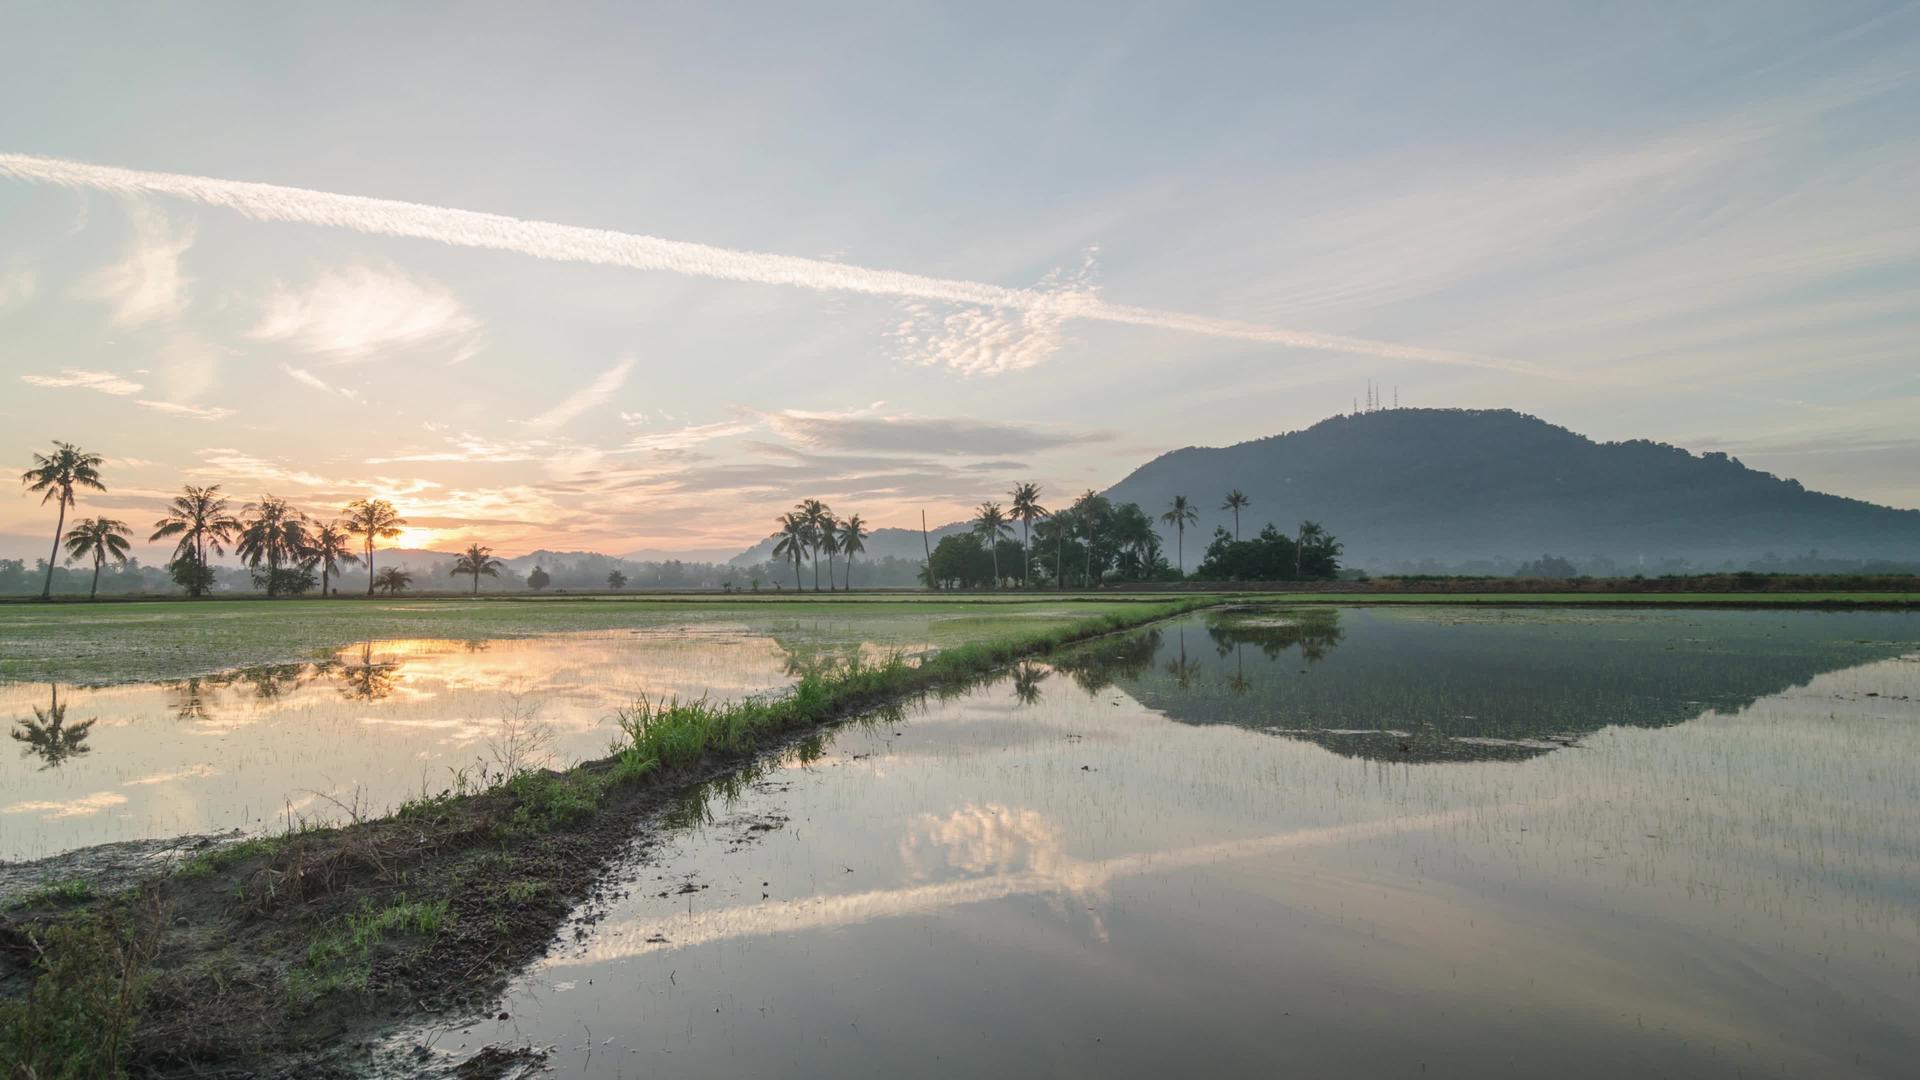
x,y
360,312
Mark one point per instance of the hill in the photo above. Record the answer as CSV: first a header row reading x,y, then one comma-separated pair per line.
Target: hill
x,y
1458,486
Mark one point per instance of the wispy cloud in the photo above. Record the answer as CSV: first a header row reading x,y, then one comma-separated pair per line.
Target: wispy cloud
x,y
363,311
73,378
191,412
308,378
570,243
589,396
688,437
148,285
921,434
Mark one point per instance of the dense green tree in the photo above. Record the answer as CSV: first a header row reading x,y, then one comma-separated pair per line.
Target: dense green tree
x,y
538,579
98,539
476,561
616,580
55,476
373,519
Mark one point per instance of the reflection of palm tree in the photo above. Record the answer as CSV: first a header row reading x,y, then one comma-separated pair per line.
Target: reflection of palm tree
x,y
1026,683
48,736
1182,669
367,681
1239,684
189,703
269,681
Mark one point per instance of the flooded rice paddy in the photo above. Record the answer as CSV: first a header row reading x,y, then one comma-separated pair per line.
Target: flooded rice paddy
x,y
1375,842
126,727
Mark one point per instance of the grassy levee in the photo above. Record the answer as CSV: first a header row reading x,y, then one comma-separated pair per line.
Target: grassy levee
x,y
281,955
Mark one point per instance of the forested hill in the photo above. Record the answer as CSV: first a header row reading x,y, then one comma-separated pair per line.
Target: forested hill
x,y
1402,485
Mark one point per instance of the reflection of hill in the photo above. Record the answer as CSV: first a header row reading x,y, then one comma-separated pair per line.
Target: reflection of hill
x,y
1438,685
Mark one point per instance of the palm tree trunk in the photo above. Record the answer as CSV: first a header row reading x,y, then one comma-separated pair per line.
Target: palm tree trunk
x,y
849,571
796,573
830,585
94,590
816,568
46,590
1026,551
1236,524
1060,560
1180,547
476,583
369,564
323,579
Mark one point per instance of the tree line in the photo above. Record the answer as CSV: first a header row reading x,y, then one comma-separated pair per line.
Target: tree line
x,y
288,552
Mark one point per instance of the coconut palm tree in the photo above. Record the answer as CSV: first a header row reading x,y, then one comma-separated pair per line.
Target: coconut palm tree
x,y
1180,514
393,580
48,737
1027,510
329,547
795,537
1310,532
477,560
57,474
1236,502
199,517
992,524
375,519
99,539
853,540
271,532
815,515
829,529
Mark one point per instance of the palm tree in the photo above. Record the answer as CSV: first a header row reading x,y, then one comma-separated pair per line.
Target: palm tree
x,y
829,529
794,538
373,519
393,580
57,474
1310,532
853,537
48,736
1180,515
328,546
1026,509
815,515
272,532
991,523
476,560
101,539
1236,502
199,517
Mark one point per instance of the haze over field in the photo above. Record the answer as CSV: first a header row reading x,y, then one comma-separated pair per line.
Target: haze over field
x,y
637,282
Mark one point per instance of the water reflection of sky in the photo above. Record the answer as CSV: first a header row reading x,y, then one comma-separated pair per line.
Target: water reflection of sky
x,y
1051,875
369,726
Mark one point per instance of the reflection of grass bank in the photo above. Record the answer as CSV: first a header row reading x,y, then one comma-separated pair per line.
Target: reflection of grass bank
x,y
278,955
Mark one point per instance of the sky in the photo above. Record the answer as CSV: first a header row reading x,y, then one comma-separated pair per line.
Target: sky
x,y
637,278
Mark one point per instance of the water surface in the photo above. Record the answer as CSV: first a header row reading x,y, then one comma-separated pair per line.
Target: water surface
x,y
1367,842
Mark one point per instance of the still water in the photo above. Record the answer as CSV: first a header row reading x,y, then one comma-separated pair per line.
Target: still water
x,y
261,747
1376,842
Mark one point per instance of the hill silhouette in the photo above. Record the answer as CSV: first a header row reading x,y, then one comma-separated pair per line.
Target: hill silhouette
x,y
1403,485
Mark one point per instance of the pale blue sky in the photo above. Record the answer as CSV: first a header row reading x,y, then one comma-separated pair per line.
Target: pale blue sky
x,y
1696,221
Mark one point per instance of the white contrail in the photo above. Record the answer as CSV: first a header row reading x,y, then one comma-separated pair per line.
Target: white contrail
x,y
572,243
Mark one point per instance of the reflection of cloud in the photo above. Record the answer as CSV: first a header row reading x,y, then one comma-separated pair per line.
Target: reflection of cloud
x,y
979,839
83,806
988,835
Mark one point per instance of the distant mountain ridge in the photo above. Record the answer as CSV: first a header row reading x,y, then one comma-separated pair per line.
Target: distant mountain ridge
x,y
1453,485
